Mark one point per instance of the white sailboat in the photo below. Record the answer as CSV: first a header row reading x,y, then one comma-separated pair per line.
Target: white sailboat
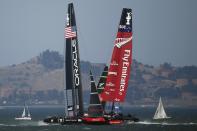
x,y
25,115
160,112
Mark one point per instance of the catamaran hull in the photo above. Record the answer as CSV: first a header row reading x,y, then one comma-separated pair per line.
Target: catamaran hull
x,y
95,120
70,121
23,118
53,120
62,121
109,120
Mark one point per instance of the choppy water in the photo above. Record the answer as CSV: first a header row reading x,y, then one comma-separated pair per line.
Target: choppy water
x,y
183,119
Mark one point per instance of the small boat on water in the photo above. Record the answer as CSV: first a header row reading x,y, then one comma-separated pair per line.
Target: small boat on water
x,y
25,115
160,112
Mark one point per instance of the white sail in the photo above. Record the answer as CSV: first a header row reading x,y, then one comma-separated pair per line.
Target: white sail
x,y
28,115
160,112
24,112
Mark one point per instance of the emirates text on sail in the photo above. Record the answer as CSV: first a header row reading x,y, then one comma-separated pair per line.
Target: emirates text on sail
x,y
125,66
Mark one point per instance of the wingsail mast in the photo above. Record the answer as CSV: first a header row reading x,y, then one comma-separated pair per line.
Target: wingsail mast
x,y
119,69
73,89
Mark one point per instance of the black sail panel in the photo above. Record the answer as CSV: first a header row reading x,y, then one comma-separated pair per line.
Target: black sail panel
x,y
95,108
101,84
102,80
73,89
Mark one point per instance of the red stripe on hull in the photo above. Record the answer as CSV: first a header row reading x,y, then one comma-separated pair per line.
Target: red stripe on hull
x,y
115,122
94,120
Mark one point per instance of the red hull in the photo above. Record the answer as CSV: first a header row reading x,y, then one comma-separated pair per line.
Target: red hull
x,y
115,121
94,120
100,121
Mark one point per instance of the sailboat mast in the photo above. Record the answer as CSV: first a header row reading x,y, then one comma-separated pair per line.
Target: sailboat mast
x,y
76,70
73,89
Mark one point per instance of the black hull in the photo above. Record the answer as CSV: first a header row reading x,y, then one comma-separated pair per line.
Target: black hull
x,y
122,118
70,121
130,118
53,120
62,120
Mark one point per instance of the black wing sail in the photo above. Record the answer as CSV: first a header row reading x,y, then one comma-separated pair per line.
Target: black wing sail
x,y
95,108
102,80
73,89
101,84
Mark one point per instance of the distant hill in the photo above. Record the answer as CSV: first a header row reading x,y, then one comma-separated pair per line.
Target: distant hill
x,y
40,81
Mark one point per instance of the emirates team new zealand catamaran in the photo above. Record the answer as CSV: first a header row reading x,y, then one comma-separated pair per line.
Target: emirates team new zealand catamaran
x,y
113,83
116,82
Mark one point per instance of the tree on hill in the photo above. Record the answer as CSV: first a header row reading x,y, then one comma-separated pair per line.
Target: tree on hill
x,y
51,59
187,72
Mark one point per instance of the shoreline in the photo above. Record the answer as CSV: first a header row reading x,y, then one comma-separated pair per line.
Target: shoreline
x,y
125,106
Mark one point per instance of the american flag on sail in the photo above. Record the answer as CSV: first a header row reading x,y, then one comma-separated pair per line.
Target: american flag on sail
x,y
70,32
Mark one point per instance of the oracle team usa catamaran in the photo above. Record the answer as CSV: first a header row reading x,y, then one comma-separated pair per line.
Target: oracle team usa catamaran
x,y
73,86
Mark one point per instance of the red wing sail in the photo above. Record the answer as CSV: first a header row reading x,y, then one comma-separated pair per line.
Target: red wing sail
x,y
119,70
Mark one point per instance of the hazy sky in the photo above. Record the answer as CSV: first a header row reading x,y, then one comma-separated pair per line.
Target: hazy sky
x,y
164,30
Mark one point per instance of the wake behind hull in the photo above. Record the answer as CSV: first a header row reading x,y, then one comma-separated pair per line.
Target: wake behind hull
x,y
161,118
